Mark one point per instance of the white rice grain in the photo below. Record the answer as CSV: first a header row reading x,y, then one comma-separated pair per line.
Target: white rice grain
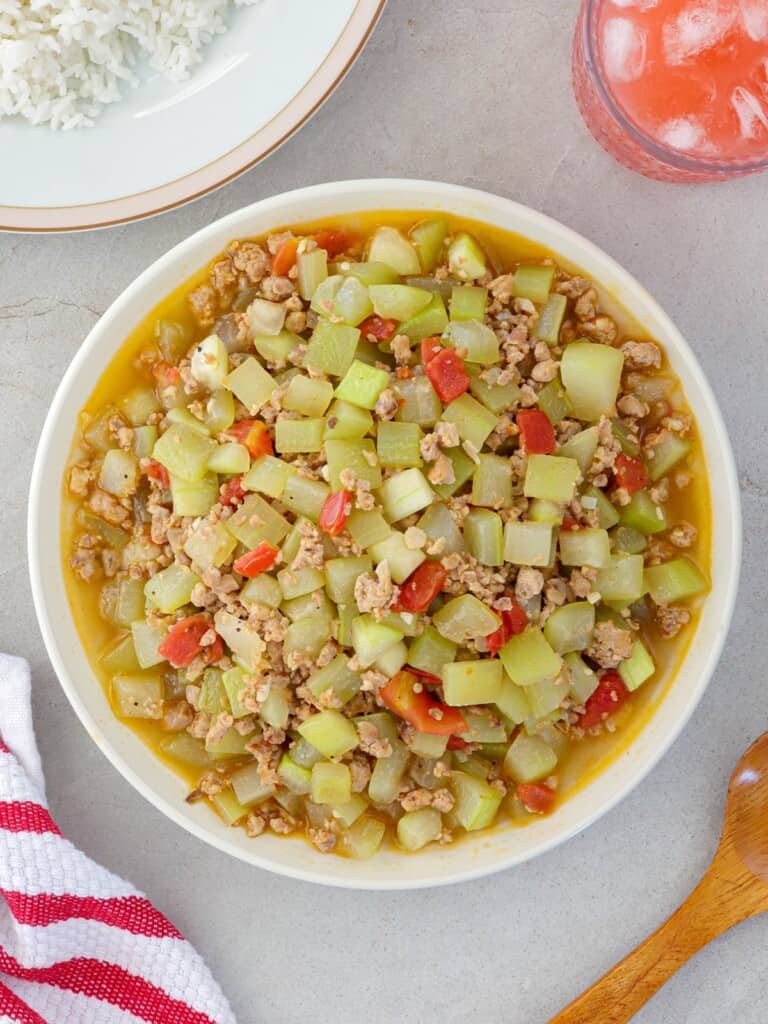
x,y
63,61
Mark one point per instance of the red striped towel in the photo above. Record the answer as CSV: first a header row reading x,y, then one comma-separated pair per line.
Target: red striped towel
x,y
78,945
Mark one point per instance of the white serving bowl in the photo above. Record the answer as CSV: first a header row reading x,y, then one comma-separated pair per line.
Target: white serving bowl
x,y
476,855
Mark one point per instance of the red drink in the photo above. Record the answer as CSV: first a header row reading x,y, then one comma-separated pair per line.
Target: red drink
x,y
676,89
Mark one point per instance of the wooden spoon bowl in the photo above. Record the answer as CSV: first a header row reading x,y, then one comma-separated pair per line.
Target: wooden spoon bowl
x,y
734,888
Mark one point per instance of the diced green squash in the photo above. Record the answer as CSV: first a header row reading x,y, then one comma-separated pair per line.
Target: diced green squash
x,y
581,447
268,475
182,747
484,727
550,319
404,493
398,301
529,544
305,497
492,482
119,473
184,417
420,403
590,547
638,668
213,696
129,602
466,260
248,787
473,421
389,246
533,281
346,421
512,701
666,455
629,540
209,362
428,238
293,776
265,317
251,384
424,744
430,651
551,477
397,444
352,303
367,527
304,754
370,639
337,677
312,268
554,401
480,342
138,405
528,658
673,581
358,456
607,514
233,681
262,589
529,759
331,783
307,636
392,660
388,773
138,695
324,296
484,536
329,732
209,544
122,657
496,397
184,452
308,396
362,384
570,627
477,803
171,588
643,514
626,438
401,559
364,837
255,521
465,618
416,829
332,348
297,582
305,435
541,511
438,524
463,468
584,681
242,640
194,499
230,459
228,807
468,302
144,440
428,323
622,579
341,575
592,376
369,273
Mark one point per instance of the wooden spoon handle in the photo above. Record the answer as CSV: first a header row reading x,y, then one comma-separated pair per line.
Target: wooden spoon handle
x,y
718,902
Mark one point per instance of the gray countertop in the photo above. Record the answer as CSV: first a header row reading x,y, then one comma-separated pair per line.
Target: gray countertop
x,y
476,93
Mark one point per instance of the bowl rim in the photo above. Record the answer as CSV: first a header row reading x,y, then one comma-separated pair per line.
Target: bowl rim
x,y
387,192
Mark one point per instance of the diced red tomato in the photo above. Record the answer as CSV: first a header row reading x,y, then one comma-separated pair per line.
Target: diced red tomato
x,y
513,621
536,797
418,707
430,347
254,435
428,677
421,588
448,375
630,473
381,329
569,523
285,257
165,374
262,558
609,696
333,240
537,435
231,493
156,471
334,513
457,743
182,643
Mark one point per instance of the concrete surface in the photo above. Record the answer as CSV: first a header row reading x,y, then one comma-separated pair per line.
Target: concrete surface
x,y
477,93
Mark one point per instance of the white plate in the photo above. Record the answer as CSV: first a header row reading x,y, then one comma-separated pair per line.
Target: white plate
x,y
168,142
479,853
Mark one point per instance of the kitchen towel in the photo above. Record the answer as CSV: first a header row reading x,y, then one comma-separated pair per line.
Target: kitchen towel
x,y
78,945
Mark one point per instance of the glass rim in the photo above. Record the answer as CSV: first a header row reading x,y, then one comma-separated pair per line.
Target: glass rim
x,y
671,157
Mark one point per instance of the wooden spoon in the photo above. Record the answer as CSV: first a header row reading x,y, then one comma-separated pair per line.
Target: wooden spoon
x,y
734,888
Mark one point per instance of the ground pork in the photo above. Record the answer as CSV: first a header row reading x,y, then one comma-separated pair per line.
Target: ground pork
x,y
386,405
683,535
204,303
311,552
370,741
80,479
610,644
641,354
108,508
464,573
375,590
671,619
529,583
250,259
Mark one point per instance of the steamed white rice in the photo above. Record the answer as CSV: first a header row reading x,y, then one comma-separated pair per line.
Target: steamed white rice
x,y
62,61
